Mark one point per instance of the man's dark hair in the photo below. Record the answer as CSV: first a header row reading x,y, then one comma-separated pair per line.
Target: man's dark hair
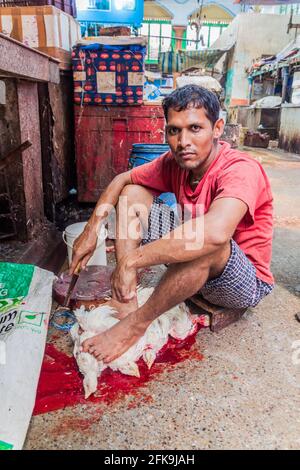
x,y
193,96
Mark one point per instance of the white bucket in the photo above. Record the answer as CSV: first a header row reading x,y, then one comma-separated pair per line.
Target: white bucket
x,y
73,231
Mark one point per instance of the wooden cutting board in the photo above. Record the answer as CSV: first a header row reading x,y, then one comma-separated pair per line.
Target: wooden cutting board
x,y
92,287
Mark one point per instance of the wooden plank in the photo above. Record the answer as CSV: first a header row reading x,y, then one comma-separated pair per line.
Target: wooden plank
x,y
10,138
21,61
220,317
46,123
31,158
13,154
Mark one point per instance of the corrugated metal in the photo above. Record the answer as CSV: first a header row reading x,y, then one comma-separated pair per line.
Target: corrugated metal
x,y
289,134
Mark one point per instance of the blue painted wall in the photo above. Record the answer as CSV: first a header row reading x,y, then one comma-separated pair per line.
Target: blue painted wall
x,y
113,15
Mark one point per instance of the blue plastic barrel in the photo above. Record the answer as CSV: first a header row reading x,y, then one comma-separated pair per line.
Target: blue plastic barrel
x,y
145,153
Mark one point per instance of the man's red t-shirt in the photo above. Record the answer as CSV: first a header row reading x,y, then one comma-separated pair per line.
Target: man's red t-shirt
x,y
232,174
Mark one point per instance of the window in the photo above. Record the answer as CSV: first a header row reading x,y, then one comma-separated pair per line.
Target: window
x,y
205,33
154,43
103,5
215,32
166,33
209,33
286,9
191,36
129,4
159,35
125,4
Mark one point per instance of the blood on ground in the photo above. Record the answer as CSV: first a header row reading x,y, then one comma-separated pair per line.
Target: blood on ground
x,y
60,383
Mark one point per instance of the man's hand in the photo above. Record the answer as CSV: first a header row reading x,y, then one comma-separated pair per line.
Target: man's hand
x,y
83,248
86,243
123,282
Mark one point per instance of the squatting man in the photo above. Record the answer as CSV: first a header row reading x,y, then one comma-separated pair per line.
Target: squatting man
x,y
228,197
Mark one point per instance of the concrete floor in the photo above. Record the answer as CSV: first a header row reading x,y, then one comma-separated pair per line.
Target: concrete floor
x,y
244,394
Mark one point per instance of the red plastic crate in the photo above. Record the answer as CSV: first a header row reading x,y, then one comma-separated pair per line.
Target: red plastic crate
x,y
103,142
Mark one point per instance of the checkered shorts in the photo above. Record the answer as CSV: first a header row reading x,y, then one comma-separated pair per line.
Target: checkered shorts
x,y
236,287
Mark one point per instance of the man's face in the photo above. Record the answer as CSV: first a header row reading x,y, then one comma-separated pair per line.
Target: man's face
x,y
190,135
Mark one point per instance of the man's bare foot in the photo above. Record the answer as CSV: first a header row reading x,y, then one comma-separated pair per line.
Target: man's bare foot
x,y
111,344
123,309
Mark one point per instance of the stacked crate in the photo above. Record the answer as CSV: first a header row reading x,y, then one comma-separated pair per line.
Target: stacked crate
x,y
108,74
68,6
45,28
110,115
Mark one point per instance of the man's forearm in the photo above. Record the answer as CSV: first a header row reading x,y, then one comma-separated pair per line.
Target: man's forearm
x,y
108,199
183,244
164,252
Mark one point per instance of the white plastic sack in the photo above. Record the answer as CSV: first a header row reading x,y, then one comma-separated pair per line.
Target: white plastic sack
x,y
25,304
205,81
267,102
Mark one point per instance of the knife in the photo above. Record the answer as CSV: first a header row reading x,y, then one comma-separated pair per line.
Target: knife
x,y
72,285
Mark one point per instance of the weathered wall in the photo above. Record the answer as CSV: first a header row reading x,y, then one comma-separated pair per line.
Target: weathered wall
x,y
57,140
32,164
10,138
61,100
255,35
289,133
43,175
227,41
20,121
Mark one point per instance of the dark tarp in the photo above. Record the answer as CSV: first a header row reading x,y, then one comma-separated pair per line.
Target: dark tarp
x,y
178,61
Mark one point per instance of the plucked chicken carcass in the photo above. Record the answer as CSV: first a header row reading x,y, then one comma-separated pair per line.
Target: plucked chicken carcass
x,y
176,322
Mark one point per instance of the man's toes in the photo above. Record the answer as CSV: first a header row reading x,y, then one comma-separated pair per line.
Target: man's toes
x,y
97,354
108,359
86,345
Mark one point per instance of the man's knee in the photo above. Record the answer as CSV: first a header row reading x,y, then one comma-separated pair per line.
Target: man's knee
x,y
134,201
214,263
135,198
218,260
136,193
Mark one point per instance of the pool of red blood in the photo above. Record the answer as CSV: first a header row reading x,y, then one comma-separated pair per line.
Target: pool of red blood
x,y
60,383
